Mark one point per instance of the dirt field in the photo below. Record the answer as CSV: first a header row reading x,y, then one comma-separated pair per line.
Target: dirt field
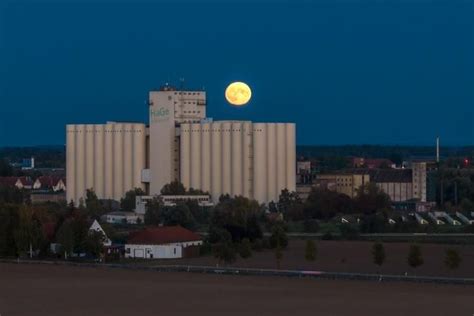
x,y
353,256
59,290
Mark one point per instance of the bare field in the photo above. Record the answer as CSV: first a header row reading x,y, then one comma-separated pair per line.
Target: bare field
x,y
64,290
352,256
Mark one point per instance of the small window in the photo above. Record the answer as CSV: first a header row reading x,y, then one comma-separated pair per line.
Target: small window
x,y
174,250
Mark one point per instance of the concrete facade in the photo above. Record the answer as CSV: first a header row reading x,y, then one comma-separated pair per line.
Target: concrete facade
x,y
255,160
108,158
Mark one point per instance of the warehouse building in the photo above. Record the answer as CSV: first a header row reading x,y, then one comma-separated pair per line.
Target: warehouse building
x,y
255,160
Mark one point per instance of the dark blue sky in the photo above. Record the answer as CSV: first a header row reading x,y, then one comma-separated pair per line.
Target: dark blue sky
x,y
347,72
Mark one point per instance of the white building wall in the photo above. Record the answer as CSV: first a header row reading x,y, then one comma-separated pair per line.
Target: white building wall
x,y
226,157
206,157
260,169
168,251
80,161
247,164
195,160
89,153
216,159
70,163
237,158
118,160
254,160
290,157
104,158
99,169
109,162
281,154
272,159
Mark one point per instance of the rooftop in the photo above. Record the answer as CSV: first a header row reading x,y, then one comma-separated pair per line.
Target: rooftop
x,y
162,235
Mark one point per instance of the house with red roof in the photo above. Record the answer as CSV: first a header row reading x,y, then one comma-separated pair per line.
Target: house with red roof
x,y
19,182
50,183
166,242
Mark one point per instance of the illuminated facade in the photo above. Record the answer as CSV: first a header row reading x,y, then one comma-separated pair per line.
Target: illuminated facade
x,y
256,160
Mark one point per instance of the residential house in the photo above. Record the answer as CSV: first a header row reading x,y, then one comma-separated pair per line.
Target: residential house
x,y
163,243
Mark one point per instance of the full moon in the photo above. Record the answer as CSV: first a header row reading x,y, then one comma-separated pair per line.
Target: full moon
x,y
238,93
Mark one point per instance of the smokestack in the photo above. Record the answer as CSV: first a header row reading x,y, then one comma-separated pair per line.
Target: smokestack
x,y
437,149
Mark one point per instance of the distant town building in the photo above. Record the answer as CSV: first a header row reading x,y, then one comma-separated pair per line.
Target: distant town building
x,y
304,172
360,162
119,217
51,183
400,184
39,196
171,200
347,183
163,243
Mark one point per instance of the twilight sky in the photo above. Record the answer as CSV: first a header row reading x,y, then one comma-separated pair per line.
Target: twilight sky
x,y
346,71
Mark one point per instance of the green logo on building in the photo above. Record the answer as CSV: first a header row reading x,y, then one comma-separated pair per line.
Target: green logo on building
x,y
161,114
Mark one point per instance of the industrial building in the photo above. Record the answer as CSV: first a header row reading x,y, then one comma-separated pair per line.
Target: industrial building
x,y
255,160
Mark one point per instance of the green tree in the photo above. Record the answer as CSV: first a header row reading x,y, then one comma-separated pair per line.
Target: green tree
x,y
65,237
224,250
245,248
278,237
178,215
11,195
154,208
239,216
127,203
452,259
370,199
9,218
93,206
291,205
415,256
29,235
173,188
94,243
311,251
5,169
378,254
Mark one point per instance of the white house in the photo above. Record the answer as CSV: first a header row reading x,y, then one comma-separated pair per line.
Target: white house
x,y
96,227
163,243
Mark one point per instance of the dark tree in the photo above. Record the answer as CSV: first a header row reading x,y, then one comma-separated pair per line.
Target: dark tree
x,y
93,206
371,199
173,188
65,237
311,251
452,259
224,250
94,243
278,237
378,254
9,220
178,215
238,216
154,208
245,248
291,205
415,257
127,203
